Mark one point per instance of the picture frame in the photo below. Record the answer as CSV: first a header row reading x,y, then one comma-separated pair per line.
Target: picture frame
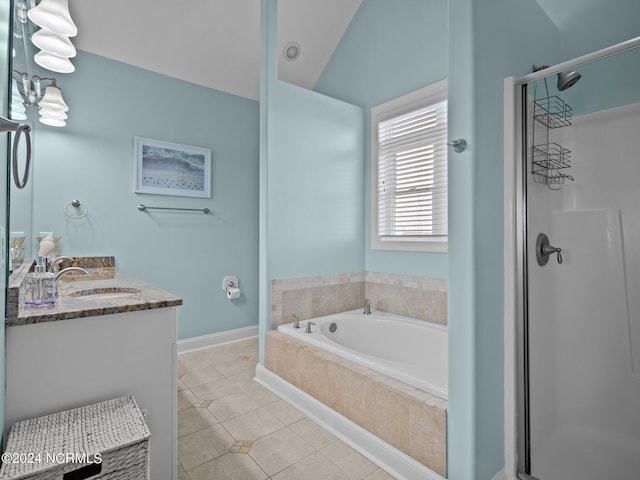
x,y
166,168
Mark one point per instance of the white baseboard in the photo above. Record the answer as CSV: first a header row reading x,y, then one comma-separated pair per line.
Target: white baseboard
x,y
211,340
387,457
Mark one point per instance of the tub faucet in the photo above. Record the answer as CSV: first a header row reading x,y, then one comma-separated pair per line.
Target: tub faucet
x,y
308,329
367,307
296,321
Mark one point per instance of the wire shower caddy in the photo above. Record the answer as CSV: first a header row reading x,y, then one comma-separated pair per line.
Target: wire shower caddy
x,y
550,160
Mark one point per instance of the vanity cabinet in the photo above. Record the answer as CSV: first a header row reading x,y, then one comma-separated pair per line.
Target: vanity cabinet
x,y
58,365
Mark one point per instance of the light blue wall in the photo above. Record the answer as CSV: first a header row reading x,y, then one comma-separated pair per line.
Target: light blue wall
x,y
509,37
389,49
587,26
315,184
311,178
461,413
92,160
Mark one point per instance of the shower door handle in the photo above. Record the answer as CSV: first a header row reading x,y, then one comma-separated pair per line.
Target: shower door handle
x,y
544,249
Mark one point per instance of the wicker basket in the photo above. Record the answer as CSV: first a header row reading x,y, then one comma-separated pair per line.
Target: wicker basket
x,y
107,440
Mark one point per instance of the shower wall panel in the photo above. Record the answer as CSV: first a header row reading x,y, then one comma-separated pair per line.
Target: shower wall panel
x,y
584,314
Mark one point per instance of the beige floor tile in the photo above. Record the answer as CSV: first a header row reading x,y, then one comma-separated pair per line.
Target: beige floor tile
x,y
259,393
200,376
215,390
194,419
232,406
277,451
253,425
249,411
242,377
237,367
192,361
349,460
314,467
186,399
313,434
380,475
284,412
181,474
202,446
232,466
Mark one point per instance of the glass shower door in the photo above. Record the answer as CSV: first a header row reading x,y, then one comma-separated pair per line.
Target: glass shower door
x,y
583,273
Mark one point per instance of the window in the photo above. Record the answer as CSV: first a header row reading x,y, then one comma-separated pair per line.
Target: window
x,y
409,171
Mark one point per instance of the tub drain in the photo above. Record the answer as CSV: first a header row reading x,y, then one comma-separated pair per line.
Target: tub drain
x,y
333,327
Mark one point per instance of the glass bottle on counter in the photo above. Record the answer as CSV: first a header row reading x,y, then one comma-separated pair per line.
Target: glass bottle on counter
x,y
39,286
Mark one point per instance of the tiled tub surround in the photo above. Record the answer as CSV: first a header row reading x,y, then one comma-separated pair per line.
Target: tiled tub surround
x,y
416,297
310,297
407,418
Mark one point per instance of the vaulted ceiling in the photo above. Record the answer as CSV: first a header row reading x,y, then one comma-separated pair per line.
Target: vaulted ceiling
x,y
214,43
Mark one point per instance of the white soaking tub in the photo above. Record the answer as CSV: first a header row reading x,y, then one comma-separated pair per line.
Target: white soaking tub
x,y
409,350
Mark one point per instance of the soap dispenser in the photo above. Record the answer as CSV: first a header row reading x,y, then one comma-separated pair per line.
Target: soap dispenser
x,y
39,286
48,282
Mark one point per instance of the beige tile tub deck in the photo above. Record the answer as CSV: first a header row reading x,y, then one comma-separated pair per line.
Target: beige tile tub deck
x,y
410,419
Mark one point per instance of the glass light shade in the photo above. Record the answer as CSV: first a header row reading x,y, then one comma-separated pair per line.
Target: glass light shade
x,y
53,100
15,93
18,115
18,110
54,16
53,122
50,42
50,113
53,62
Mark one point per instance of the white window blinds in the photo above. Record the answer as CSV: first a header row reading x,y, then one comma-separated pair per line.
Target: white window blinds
x,y
412,173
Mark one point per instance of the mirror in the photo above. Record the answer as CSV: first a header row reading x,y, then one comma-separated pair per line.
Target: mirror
x,y
22,109
20,201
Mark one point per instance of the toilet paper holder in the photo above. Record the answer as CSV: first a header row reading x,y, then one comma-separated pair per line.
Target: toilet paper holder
x,y
230,282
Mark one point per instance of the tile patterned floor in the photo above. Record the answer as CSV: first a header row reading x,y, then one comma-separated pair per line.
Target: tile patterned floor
x,y
232,428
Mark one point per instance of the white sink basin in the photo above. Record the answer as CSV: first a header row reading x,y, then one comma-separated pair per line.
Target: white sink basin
x,y
104,293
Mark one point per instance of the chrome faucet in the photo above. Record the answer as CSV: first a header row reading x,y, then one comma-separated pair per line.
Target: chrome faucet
x,y
64,271
55,261
367,307
296,322
308,329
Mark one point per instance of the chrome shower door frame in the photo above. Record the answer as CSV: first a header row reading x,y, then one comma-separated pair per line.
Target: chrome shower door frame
x,y
516,367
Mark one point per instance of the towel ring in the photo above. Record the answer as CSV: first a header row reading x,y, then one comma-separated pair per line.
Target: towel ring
x,y
21,183
75,204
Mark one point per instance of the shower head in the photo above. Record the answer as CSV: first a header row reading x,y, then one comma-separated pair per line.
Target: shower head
x,y
567,79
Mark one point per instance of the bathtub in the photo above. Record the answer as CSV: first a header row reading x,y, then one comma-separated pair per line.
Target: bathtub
x,y
409,350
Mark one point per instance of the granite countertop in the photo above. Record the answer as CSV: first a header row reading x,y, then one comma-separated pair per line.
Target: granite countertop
x,y
77,298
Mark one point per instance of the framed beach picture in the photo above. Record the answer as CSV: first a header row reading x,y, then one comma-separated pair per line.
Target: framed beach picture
x,y
164,168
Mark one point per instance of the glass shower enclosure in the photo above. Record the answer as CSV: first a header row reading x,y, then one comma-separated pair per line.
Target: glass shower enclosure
x,y
578,331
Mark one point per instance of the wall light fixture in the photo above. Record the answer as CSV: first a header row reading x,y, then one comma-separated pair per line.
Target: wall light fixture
x,y
52,107
56,26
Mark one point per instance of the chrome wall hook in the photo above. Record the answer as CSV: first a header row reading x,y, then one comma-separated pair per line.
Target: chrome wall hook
x,y
459,145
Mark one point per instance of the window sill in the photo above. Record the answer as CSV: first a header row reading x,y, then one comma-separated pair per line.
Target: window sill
x,y
435,246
